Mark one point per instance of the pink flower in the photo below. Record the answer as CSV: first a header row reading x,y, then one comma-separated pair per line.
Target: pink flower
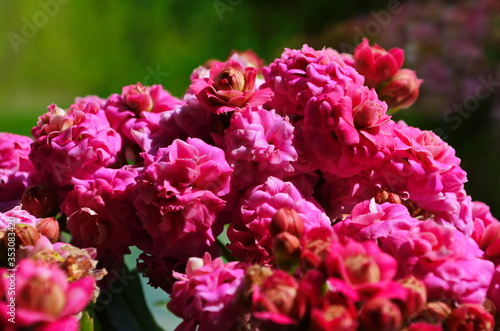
x,y
449,263
205,297
249,233
486,231
100,212
340,195
16,169
74,143
424,168
136,113
16,215
347,131
273,302
177,198
364,268
377,64
43,295
258,144
370,221
401,91
229,87
301,74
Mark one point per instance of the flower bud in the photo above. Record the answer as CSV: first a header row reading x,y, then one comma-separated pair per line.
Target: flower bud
x,y
383,195
376,63
286,249
369,114
435,312
286,220
470,317
230,79
380,314
417,296
48,227
41,295
26,235
362,269
137,98
401,91
40,201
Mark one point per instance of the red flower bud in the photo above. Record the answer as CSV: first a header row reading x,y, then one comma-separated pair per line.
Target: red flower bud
x,y
137,98
40,201
401,91
49,227
417,296
470,317
376,63
380,314
286,249
286,220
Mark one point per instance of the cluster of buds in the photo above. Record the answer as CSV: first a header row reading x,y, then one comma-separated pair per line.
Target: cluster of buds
x,y
398,87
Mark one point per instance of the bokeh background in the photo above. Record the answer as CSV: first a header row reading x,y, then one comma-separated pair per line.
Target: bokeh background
x,y
52,51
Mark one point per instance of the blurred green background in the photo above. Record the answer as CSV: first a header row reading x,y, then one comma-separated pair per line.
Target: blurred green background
x,y
52,51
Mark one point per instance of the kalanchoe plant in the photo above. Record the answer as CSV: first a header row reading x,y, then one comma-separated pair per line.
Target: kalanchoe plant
x,y
335,217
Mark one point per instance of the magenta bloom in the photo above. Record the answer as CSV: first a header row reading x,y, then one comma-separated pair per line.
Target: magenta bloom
x,y
100,212
301,74
346,131
425,169
74,143
43,295
258,144
136,114
16,215
364,268
370,221
205,297
178,198
449,263
249,231
16,169
375,63
229,87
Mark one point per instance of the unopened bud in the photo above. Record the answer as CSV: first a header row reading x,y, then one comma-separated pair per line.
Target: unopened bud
x,y
380,314
49,227
470,317
41,295
435,312
384,195
286,249
286,220
137,98
230,79
40,201
26,235
417,296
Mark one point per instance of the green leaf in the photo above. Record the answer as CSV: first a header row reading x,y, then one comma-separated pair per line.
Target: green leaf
x,y
122,306
86,322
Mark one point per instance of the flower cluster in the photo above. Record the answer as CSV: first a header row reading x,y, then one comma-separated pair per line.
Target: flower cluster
x,y
334,216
